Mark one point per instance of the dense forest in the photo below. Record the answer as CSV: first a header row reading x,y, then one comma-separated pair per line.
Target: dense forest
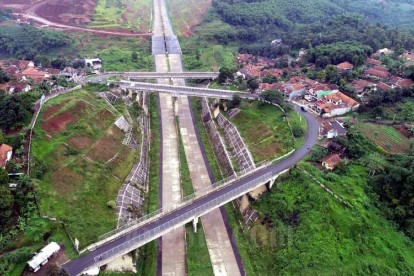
x,y
28,42
16,110
393,181
305,24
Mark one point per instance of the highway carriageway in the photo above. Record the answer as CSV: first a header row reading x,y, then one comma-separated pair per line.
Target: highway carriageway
x,y
150,229
185,90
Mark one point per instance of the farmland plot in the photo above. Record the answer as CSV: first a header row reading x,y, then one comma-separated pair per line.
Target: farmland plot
x,y
80,163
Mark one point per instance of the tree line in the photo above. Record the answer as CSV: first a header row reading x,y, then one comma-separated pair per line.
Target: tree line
x,y
28,42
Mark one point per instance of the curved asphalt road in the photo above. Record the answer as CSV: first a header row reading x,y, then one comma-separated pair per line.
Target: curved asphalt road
x,y
76,267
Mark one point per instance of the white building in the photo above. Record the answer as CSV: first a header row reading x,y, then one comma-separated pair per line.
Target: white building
x,y
94,63
43,256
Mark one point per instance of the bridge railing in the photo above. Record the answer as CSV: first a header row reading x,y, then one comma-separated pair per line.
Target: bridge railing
x,y
188,216
201,192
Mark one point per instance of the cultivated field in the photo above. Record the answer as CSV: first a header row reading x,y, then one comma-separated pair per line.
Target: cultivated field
x,y
187,13
385,137
265,131
80,163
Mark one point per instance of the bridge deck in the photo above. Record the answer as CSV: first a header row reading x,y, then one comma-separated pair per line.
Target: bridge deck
x,y
194,208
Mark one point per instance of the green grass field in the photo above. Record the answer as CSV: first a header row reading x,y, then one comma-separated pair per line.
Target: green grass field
x,y
386,137
116,14
264,130
85,162
116,54
208,147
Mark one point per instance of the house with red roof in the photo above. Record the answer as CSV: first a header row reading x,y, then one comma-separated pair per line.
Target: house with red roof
x,y
24,64
333,103
401,82
377,73
361,85
17,87
384,87
6,153
36,75
373,62
331,161
345,66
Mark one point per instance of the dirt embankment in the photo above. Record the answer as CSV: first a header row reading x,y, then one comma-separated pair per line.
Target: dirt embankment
x,y
74,13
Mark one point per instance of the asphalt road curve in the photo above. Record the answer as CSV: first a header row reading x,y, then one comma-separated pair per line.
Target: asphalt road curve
x,y
75,267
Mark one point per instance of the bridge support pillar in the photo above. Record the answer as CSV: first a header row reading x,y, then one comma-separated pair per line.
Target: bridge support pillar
x,y
195,221
272,181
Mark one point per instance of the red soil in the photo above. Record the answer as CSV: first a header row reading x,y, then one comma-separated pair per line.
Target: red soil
x,y
57,123
69,12
80,142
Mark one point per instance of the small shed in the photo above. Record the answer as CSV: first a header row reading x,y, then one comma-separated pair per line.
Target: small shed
x,y
43,256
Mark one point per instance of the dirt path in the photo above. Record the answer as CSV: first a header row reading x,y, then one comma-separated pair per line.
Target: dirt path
x,y
79,29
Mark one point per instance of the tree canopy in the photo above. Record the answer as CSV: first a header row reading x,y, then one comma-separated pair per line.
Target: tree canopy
x,y
27,42
395,186
15,110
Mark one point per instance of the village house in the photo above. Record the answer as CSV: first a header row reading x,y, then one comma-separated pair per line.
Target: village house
x,y
383,87
333,103
331,161
408,57
401,82
362,85
344,66
292,90
383,52
94,63
244,58
6,153
34,74
373,62
17,87
52,71
331,129
377,72
24,64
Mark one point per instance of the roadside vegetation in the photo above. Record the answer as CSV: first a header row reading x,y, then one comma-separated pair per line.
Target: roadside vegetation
x,y
208,147
198,258
147,262
79,163
265,129
306,230
121,54
22,231
185,178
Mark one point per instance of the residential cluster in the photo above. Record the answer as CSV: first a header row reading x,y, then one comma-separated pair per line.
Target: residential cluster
x,y
325,99
23,75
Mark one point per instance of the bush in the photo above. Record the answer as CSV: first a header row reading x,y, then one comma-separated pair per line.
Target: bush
x,y
111,204
297,131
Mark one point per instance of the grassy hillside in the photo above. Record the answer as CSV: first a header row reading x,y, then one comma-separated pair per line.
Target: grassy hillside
x,y
306,231
80,163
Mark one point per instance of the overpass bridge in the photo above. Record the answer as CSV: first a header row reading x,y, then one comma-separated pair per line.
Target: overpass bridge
x,y
185,90
155,75
132,236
